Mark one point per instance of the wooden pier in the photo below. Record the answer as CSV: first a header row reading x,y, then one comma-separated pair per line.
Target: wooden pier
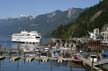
x,y
14,58
29,59
2,57
91,64
14,54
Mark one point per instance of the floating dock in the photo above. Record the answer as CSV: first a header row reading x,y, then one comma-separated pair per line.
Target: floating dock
x,y
29,59
15,58
2,57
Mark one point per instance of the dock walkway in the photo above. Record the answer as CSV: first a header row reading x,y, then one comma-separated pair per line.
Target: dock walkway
x,y
102,61
89,63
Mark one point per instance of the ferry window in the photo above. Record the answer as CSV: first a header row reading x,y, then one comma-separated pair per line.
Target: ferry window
x,y
37,37
28,34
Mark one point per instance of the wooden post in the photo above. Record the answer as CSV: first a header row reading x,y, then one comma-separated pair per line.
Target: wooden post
x,y
69,65
34,53
92,64
10,51
1,51
19,51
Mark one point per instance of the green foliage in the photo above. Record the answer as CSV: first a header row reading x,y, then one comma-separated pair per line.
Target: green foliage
x,y
58,33
93,17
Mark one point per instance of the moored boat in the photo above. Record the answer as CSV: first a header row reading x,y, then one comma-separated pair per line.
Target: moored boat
x,y
76,59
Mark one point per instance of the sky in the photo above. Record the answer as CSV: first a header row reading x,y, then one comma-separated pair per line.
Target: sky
x,y
15,8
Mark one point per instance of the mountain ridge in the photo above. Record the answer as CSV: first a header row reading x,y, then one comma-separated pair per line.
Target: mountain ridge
x,y
91,18
43,23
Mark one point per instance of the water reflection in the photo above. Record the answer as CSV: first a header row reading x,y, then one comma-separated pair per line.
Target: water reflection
x,y
0,66
21,65
17,65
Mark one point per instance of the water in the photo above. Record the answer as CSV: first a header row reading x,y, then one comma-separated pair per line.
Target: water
x,y
21,65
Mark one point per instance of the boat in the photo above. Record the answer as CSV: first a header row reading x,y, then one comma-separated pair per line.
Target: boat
x,y
76,60
26,37
105,53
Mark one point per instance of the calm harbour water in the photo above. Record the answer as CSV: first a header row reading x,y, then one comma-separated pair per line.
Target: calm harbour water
x,y
21,65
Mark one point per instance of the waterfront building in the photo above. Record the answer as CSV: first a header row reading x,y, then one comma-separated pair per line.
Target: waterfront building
x,y
105,36
95,35
98,40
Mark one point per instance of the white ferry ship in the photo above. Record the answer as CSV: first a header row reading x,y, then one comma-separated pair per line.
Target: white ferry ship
x,y
26,37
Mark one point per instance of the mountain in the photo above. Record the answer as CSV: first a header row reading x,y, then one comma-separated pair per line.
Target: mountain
x,y
10,25
93,17
43,23
51,21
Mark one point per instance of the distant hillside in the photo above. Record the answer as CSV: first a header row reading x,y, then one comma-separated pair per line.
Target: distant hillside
x,y
93,17
44,23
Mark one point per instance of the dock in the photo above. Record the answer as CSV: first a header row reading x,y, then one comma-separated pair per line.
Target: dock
x,y
14,54
29,59
2,57
14,58
100,62
90,64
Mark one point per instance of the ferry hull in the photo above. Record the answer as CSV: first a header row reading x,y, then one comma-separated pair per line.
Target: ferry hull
x,y
26,37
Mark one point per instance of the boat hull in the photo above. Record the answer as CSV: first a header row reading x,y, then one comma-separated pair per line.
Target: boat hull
x,y
76,59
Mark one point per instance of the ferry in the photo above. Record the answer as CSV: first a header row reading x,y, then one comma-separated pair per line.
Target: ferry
x,y
26,37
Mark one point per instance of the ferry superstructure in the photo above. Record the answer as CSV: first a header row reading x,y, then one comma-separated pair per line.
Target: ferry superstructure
x,y
26,37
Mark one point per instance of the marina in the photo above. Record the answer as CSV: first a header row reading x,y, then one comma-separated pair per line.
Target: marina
x,y
14,57
57,51
54,35
17,54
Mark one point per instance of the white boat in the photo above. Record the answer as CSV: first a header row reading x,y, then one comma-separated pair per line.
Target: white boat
x,y
26,37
